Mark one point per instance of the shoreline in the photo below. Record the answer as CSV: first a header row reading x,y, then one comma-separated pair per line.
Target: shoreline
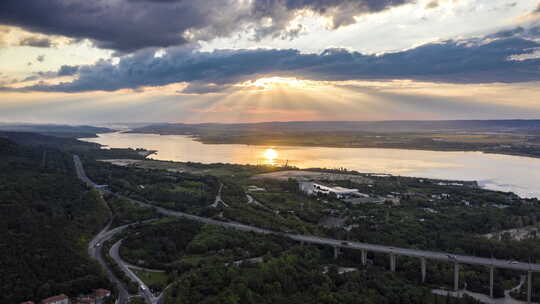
x,y
200,139
525,191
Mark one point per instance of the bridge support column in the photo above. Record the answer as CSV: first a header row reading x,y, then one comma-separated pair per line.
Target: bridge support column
x,y
491,269
529,286
363,257
336,252
456,276
392,262
423,268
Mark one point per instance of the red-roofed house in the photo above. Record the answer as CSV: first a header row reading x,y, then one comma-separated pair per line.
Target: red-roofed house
x,y
61,299
87,300
102,293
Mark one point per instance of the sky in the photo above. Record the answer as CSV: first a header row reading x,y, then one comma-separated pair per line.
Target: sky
x,y
103,61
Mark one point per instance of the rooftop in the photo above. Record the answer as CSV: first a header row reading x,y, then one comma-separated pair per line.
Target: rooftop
x,y
102,292
55,299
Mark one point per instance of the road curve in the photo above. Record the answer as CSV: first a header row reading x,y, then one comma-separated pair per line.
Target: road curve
x,y
441,256
95,252
143,288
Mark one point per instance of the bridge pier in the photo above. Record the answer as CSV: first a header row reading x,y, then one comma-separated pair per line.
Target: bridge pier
x,y
336,252
392,262
363,257
491,269
529,287
423,268
456,276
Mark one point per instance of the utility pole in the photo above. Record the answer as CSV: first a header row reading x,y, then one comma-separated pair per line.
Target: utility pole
x,y
456,276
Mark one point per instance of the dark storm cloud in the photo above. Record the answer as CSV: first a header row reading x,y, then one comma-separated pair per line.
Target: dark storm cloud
x,y
449,61
322,6
35,41
508,33
67,70
532,33
341,12
129,25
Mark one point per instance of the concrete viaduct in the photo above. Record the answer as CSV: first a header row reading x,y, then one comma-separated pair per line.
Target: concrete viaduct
x,y
424,255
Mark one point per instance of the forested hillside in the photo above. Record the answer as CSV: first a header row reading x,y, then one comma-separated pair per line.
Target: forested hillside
x,y
46,219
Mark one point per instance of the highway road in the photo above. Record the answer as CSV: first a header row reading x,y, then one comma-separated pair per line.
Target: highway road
x,y
81,174
432,255
143,288
441,256
95,252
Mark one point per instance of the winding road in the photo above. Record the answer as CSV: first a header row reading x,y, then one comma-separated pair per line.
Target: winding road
x,y
114,252
94,250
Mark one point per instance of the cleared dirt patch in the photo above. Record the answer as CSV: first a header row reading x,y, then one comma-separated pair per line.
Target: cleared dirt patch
x,y
301,175
121,162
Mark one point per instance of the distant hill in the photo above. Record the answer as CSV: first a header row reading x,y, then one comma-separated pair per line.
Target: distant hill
x,y
56,130
70,145
349,126
513,137
44,140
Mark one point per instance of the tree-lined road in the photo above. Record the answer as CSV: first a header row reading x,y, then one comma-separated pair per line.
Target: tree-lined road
x,y
94,250
144,290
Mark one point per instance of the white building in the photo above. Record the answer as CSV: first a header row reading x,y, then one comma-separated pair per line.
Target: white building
x,y
312,188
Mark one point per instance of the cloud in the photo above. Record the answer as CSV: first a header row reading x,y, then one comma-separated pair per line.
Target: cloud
x,y
4,31
31,78
508,33
67,70
432,4
36,41
130,25
204,88
455,61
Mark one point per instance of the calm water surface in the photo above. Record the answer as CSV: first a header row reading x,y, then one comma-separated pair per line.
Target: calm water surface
x,y
497,172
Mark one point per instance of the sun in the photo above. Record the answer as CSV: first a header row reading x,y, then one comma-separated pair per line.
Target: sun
x,y
270,154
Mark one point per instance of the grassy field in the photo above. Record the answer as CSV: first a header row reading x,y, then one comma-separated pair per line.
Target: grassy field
x,y
218,170
151,278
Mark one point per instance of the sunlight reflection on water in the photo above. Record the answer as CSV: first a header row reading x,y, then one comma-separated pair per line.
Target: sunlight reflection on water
x,y
496,172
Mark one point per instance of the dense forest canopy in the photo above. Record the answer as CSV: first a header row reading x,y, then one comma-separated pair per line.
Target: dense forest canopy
x,y
47,216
